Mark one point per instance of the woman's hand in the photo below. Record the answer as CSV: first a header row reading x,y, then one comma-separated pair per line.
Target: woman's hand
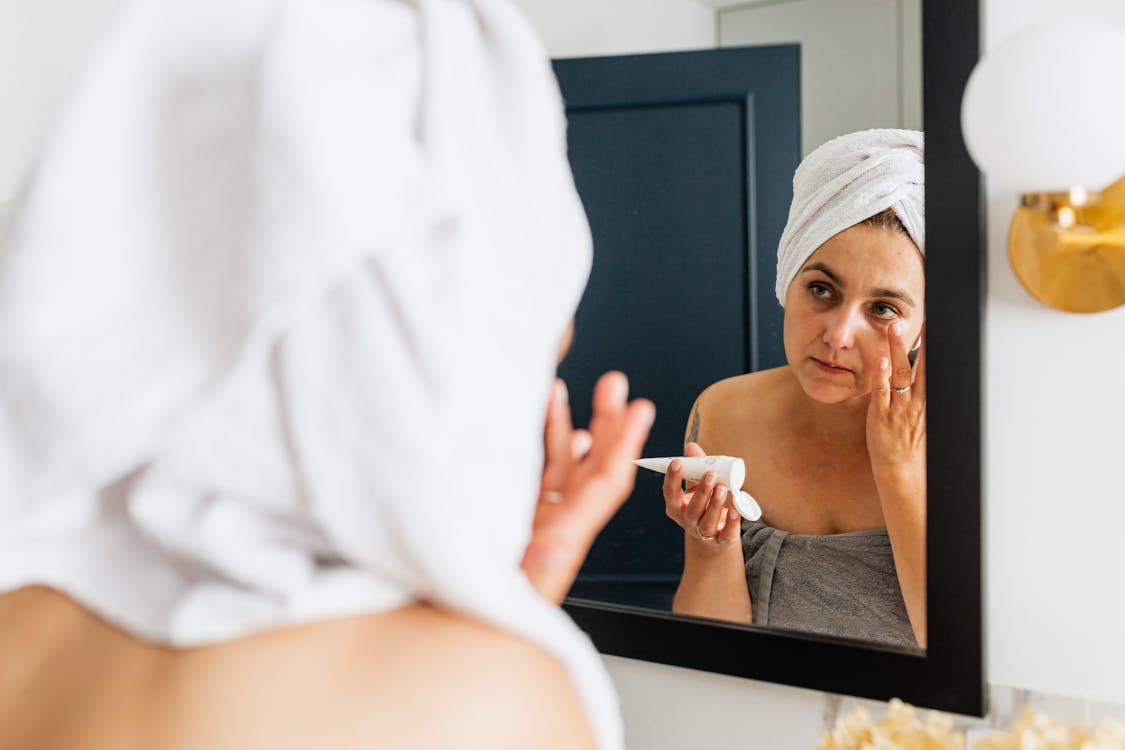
x,y
896,415
896,442
703,511
587,475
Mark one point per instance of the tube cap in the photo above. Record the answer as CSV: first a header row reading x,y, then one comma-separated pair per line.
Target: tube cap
x,y
747,506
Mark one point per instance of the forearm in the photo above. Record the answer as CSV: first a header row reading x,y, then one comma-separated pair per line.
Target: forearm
x,y
713,585
903,499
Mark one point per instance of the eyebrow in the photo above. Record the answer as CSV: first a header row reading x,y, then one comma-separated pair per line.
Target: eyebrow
x,y
892,293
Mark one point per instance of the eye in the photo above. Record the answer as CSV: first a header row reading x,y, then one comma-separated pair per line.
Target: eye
x,y
884,310
820,290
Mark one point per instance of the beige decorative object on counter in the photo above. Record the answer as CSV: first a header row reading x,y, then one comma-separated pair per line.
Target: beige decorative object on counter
x,y
1034,731
900,729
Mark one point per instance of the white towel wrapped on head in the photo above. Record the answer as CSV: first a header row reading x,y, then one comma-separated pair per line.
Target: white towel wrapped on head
x,y
279,313
845,181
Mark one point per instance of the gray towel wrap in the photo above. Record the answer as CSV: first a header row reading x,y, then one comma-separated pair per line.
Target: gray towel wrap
x,y
839,584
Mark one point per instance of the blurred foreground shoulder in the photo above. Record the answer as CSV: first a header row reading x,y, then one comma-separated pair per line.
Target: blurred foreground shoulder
x,y
461,683
414,677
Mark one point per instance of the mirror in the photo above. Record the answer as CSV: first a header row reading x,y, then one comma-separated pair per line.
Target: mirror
x,y
668,180
683,161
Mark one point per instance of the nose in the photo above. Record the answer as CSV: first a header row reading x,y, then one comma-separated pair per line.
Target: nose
x,y
841,327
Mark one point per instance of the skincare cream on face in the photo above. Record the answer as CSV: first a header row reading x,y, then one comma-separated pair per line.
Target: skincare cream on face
x,y
730,470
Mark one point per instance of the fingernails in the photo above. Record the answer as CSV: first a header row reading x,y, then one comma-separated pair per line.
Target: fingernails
x,y
732,514
721,493
710,478
675,466
896,328
582,441
620,387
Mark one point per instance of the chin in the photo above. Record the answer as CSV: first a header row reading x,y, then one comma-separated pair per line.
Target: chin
x,y
829,393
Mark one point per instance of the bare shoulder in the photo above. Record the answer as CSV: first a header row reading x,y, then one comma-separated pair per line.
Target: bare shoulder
x,y
726,406
738,388
414,677
483,687
446,680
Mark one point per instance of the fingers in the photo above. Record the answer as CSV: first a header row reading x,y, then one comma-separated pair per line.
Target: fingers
x,y
901,372
732,531
714,516
557,439
610,394
614,450
693,450
639,416
580,442
704,513
673,489
618,431
699,501
881,385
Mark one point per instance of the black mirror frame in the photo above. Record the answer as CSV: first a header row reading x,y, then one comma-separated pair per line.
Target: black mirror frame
x,y
949,676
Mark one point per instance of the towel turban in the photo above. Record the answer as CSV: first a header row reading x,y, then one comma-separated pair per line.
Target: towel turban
x,y
845,181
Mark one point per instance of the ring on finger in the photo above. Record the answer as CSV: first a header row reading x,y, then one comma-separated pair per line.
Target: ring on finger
x,y
703,536
901,391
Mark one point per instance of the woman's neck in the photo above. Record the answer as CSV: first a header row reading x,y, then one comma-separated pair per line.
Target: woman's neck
x,y
843,423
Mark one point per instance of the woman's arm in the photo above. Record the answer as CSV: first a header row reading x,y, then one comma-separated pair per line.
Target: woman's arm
x,y
903,497
896,437
713,583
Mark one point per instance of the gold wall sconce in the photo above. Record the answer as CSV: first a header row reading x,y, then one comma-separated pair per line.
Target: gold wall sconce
x,y
1044,116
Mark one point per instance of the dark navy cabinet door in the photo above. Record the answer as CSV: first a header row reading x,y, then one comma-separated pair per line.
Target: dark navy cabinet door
x,y
684,162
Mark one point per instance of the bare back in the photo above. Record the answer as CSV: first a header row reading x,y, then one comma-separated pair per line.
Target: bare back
x,y
416,677
806,480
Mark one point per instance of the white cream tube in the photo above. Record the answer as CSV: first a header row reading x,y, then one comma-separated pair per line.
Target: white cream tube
x,y
731,471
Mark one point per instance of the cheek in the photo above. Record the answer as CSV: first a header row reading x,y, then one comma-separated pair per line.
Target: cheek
x,y
799,329
871,343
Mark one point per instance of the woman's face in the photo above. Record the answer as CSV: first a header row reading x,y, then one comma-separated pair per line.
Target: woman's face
x,y
841,303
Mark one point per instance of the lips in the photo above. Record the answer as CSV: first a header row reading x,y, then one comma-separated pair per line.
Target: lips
x,y
830,367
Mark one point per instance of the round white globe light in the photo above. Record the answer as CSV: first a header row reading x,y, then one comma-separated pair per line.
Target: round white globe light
x,y
1044,111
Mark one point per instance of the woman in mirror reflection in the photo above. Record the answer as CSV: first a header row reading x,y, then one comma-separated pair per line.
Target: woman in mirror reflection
x,y
279,324
835,441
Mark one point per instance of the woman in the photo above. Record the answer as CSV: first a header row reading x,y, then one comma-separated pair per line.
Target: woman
x,y
279,317
834,442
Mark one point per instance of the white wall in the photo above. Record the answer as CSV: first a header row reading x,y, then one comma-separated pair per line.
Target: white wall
x,y
1055,449
860,60
1054,493
573,28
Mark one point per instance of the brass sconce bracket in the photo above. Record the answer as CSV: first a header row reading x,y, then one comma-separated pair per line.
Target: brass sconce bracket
x,y
1068,249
